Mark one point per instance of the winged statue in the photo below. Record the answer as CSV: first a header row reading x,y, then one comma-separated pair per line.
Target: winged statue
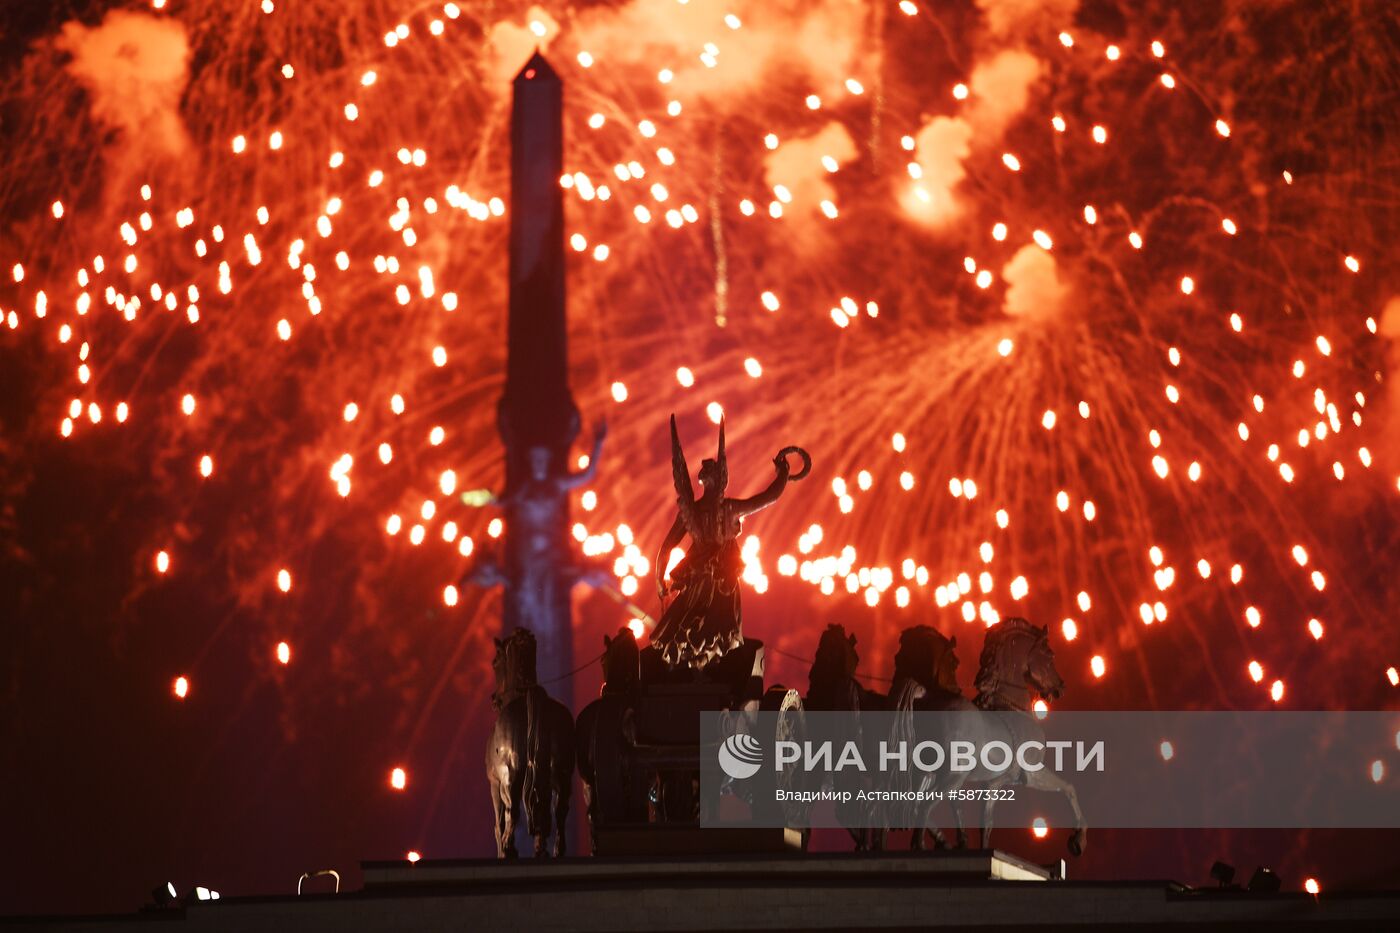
x,y
702,622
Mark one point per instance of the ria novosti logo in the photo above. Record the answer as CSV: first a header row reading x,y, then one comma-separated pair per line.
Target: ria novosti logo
x,y
740,756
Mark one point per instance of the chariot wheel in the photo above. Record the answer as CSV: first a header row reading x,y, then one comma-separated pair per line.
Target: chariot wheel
x,y
790,726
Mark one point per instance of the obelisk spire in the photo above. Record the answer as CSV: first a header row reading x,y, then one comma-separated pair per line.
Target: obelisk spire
x,y
537,399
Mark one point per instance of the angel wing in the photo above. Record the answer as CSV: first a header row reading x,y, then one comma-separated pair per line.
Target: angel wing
x,y
680,474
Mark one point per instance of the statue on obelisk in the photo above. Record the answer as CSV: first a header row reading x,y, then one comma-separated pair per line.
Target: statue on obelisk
x,y
537,417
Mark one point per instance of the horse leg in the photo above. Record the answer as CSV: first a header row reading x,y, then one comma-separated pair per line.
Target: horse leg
x,y
508,795
936,837
957,782
923,817
926,824
917,822
935,833
1005,779
878,824
538,798
926,833
586,773
538,815
590,808
563,781
541,832
851,815
1049,780
498,810
961,838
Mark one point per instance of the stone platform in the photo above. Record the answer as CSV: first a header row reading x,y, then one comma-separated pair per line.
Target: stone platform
x,y
651,840
796,870
983,890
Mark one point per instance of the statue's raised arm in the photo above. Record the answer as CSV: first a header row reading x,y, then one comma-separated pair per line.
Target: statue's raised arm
x,y
745,507
586,475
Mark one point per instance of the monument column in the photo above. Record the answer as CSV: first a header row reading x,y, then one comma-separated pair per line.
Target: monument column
x,y
537,411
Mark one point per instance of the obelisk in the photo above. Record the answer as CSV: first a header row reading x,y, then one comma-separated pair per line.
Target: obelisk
x,y
537,410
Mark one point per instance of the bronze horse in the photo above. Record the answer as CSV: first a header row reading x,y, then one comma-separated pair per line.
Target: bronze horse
x,y
614,788
1016,666
925,678
833,687
530,756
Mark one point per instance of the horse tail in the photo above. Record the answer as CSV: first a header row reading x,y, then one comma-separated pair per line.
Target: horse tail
x,y
536,802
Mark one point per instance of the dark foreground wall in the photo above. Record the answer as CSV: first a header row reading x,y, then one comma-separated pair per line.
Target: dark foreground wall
x,y
982,890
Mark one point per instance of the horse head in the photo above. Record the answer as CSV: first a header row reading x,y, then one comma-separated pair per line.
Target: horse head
x,y
836,654
514,665
621,662
1016,662
834,667
928,658
1042,671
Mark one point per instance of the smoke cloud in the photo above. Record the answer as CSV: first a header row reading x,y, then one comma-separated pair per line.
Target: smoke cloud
x,y
1034,289
940,149
511,45
722,54
716,58
135,67
797,164
1009,18
999,88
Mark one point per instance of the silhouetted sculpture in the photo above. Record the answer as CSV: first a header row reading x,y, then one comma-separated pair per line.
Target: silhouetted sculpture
x,y
1016,665
832,687
925,678
639,742
925,668
537,560
703,622
530,756
614,783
